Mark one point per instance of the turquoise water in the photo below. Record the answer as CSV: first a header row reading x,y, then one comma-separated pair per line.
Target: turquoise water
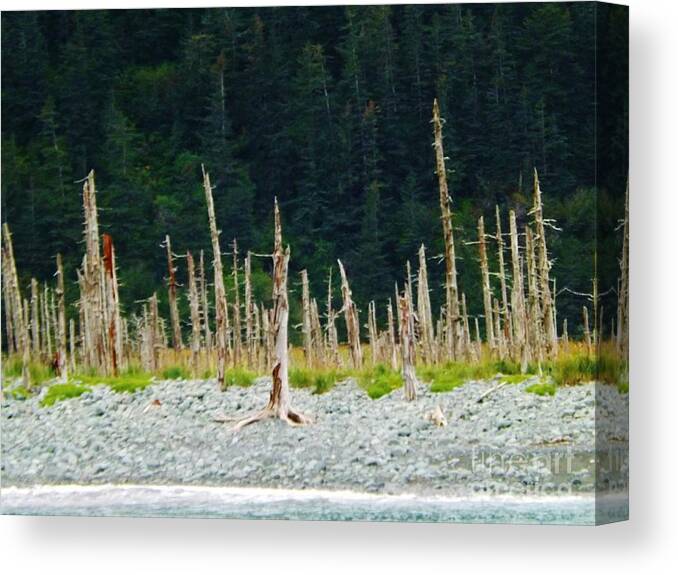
x,y
253,503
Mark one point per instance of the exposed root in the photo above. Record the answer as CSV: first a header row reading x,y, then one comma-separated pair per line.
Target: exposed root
x,y
291,417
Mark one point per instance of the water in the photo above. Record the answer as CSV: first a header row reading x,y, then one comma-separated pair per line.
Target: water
x,y
255,503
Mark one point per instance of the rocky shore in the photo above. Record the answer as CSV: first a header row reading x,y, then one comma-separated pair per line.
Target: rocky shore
x,y
511,442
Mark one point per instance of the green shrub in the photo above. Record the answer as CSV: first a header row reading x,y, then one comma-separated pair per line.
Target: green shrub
x,y
123,383
541,388
240,377
379,381
175,372
19,392
321,380
62,391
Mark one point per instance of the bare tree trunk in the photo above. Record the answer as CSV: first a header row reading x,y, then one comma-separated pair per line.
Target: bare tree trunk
x,y
451,290
19,306
534,310
331,328
508,331
205,306
172,297
393,351
35,317
237,326
61,296
424,310
407,347
544,266
471,354
46,325
113,305
306,319
565,338
487,293
279,405
351,318
373,333
8,303
587,331
249,310
72,342
221,303
194,304
520,342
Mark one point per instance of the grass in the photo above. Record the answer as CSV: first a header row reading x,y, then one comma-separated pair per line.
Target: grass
x,y
124,383
61,391
39,372
175,372
321,380
542,388
19,392
239,376
379,380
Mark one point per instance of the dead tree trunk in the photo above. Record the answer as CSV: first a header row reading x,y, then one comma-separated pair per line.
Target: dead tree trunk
x,y
487,292
427,337
8,305
112,299
535,330
205,305
508,332
518,315
372,332
623,299
331,328
306,319
35,317
172,297
407,347
351,318
587,331
249,310
543,267
393,348
237,326
19,307
194,305
220,301
61,347
279,405
451,290
72,342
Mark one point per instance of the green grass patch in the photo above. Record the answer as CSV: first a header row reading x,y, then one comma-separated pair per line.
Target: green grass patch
x,y
125,383
321,381
542,388
19,392
379,380
240,377
12,368
516,377
175,372
62,391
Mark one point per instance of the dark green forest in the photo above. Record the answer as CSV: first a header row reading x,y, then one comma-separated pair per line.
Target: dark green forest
x,y
328,109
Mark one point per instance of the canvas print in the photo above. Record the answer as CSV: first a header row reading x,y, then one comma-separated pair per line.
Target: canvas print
x,y
318,263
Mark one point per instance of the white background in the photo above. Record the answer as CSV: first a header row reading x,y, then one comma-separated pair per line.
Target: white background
x,y
647,543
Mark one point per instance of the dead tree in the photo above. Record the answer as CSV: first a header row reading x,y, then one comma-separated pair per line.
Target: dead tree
x,y
61,345
487,292
451,290
331,327
279,405
205,304
372,332
72,344
220,301
424,314
407,348
587,331
351,319
534,324
8,304
19,308
393,348
508,332
623,298
543,268
172,296
194,305
306,319
518,313
112,306
250,343
35,317
237,326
